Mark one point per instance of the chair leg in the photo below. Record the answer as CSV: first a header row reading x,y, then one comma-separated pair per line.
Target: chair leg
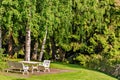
x,y
25,71
32,71
44,70
7,71
38,70
48,70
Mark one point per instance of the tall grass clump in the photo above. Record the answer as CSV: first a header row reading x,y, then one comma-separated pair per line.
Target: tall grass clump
x,y
2,59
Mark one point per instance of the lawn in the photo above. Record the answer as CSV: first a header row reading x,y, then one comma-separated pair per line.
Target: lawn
x,y
75,73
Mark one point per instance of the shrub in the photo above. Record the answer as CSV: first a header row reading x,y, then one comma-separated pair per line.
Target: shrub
x,y
2,56
82,59
100,62
3,65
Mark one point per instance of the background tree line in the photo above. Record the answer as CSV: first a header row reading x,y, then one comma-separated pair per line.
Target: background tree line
x,y
86,32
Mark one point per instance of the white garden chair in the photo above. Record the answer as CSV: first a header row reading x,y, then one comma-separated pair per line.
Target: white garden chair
x,y
45,66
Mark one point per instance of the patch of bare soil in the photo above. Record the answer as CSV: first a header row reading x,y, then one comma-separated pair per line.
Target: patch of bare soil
x,y
16,74
52,71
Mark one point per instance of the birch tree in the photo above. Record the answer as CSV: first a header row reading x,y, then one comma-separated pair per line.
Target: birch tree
x,y
27,13
43,46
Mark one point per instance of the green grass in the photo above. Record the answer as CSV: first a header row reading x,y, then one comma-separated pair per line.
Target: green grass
x,y
76,73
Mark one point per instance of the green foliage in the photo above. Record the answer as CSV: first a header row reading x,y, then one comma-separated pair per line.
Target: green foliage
x,y
1,54
3,65
46,56
82,59
21,52
15,56
2,59
75,46
65,46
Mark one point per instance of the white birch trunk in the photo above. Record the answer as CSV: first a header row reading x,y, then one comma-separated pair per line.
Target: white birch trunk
x,y
27,44
43,45
28,38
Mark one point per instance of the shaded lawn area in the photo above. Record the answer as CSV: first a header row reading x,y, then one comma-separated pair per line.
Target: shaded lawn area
x,y
75,72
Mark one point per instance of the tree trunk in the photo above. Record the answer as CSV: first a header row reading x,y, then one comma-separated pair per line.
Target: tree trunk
x,y
43,45
10,48
0,37
62,55
10,45
34,55
27,44
53,47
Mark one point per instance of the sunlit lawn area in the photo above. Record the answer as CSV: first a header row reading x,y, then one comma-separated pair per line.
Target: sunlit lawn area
x,y
75,73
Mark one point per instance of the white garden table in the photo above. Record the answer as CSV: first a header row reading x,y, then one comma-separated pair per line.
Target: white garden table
x,y
33,64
